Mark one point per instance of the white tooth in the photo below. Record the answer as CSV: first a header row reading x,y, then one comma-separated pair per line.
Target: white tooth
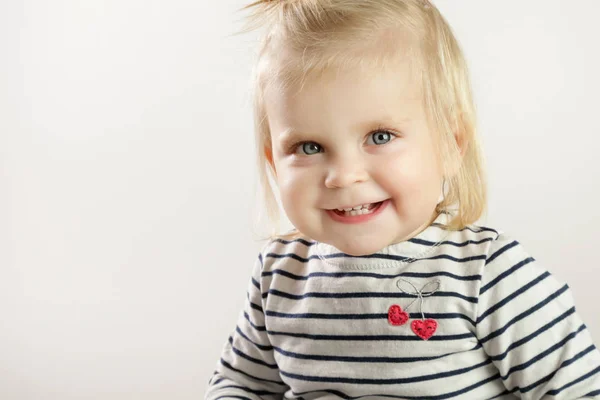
x,y
357,207
354,213
364,211
347,209
340,209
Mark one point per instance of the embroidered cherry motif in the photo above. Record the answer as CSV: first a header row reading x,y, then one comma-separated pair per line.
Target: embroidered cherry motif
x,y
424,329
397,316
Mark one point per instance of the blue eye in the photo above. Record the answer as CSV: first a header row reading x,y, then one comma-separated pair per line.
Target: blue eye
x,y
380,137
310,148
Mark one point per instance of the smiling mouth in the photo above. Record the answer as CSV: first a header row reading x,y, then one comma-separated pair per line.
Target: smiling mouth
x,y
363,209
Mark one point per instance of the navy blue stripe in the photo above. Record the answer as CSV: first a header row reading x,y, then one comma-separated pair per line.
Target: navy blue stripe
x,y
515,294
363,338
357,359
257,345
249,358
438,397
393,381
368,275
418,315
441,226
232,368
463,244
525,314
440,273
362,295
576,381
257,327
325,316
211,378
376,256
543,354
245,389
292,255
502,250
218,381
505,274
564,364
481,229
304,242
363,316
535,334
592,394
255,283
256,307
504,393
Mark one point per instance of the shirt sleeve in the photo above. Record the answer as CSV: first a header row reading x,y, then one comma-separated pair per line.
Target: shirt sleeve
x,y
528,326
247,368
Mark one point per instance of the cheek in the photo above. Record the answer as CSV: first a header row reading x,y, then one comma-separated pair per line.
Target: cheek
x,y
292,179
297,188
408,173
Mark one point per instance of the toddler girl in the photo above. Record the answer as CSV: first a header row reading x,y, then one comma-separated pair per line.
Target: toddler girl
x,y
364,119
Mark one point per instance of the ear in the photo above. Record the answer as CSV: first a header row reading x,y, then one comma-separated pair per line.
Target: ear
x,y
461,142
461,146
459,135
269,157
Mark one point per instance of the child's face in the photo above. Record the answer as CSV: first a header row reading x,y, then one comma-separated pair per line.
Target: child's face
x,y
329,153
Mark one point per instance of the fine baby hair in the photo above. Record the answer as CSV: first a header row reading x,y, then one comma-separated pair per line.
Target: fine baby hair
x,y
365,131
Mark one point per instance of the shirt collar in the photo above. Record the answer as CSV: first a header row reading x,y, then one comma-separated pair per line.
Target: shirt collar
x,y
423,245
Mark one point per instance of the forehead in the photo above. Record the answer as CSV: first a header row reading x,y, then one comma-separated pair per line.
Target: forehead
x,y
339,97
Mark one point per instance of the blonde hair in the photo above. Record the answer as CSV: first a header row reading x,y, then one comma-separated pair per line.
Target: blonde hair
x,y
308,37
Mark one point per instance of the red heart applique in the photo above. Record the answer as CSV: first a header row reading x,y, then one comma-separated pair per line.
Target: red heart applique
x,y
397,316
424,329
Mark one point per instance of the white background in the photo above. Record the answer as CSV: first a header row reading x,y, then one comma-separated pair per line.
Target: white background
x,y
127,178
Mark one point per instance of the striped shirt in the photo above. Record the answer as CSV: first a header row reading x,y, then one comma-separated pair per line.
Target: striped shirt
x,y
318,323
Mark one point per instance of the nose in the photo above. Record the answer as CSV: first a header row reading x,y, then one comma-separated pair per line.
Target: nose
x,y
344,172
